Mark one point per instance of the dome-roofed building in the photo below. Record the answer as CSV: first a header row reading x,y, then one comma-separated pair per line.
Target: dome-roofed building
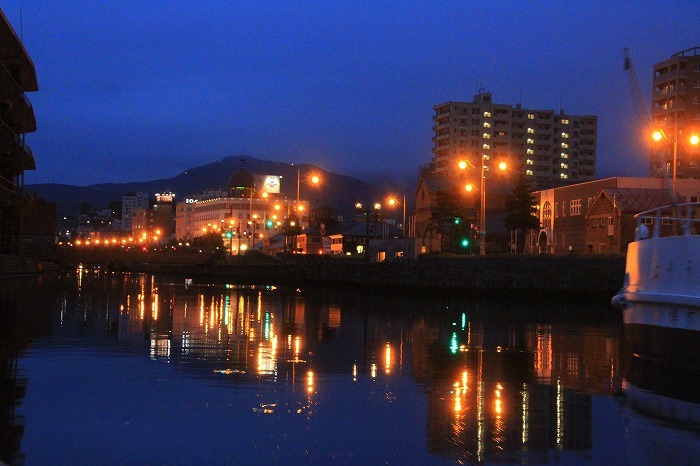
x,y
241,183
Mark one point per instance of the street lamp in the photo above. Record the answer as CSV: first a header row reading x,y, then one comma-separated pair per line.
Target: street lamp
x,y
659,134
367,211
313,178
482,207
392,202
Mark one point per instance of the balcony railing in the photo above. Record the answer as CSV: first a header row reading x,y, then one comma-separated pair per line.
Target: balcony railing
x,y
9,137
15,88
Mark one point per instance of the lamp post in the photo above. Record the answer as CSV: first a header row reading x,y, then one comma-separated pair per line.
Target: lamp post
x,y
313,178
367,211
392,202
658,135
482,204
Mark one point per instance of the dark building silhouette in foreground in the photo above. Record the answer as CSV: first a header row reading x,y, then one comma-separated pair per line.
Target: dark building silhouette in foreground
x,y
17,76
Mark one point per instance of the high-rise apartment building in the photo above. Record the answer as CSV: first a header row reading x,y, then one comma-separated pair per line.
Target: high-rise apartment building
x,y
130,203
676,110
549,148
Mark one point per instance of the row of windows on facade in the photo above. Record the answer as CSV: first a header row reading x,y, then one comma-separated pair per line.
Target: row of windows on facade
x,y
548,129
574,207
667,104
548,115
241,216
670,70
670,87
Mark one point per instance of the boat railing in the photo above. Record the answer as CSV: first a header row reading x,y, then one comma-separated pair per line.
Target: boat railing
x,y
670,220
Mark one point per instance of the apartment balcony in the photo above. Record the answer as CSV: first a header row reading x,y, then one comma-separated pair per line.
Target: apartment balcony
x,y
15,109
441,137
15,155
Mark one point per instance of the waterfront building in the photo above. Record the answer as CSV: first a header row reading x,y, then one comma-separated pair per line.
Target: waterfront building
x,y
433,238
243,214
381,238
17,76
676,110
564,213
610,222
549,148
156,224
130,203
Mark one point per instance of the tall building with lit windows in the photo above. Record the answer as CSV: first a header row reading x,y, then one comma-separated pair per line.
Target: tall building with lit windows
x,y
676,110
549,148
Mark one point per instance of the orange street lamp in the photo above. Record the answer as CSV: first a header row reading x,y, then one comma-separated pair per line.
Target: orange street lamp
x,y
315,179
482,191
659,134
392,202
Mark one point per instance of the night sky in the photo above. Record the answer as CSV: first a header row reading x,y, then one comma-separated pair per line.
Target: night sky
x,y
141,90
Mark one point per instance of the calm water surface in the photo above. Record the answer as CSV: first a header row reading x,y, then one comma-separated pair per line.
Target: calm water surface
x,y
104,368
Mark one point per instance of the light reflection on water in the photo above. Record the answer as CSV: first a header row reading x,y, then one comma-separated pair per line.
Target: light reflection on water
x,y
136,368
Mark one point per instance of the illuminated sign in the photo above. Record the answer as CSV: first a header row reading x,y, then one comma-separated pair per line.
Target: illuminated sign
x,y
269,183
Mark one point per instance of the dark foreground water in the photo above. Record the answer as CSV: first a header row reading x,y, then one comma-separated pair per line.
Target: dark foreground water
x,y
103,368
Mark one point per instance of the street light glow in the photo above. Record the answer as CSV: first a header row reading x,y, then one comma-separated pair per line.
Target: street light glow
x,y
694,139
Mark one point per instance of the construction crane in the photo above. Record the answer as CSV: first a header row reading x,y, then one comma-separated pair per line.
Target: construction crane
x,y
641,105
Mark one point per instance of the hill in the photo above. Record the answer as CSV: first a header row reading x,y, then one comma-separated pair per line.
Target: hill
x,y
339,191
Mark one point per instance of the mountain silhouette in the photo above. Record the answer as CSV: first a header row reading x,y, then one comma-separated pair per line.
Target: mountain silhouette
x,y
336,190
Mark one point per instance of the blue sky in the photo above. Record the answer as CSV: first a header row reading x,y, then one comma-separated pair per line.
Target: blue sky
x,y
134,90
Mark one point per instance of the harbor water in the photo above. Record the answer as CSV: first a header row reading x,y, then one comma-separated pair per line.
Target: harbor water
x,y
100,367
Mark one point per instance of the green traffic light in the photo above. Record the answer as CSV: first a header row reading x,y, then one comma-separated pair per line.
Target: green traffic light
x,y
465,243
229,235
457,220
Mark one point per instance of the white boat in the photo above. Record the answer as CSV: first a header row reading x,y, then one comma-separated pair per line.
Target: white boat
x,y
660,296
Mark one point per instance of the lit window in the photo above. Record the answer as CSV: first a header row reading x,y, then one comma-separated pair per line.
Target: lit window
x,y
528,172
530,141
530,130
486,146
486,136
564,166
564,155
563,176
530,162
564,145
564,121
487,124
565,135
487,114
530,116
530,151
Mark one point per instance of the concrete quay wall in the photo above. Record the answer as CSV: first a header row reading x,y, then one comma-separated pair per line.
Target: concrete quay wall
x,y
494,276
574,276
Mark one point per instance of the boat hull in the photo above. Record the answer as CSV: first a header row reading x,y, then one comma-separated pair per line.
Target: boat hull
x,y
660,298
664,332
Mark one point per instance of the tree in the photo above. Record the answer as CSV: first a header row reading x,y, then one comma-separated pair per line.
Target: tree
x,y
452,216
521,211
210,243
